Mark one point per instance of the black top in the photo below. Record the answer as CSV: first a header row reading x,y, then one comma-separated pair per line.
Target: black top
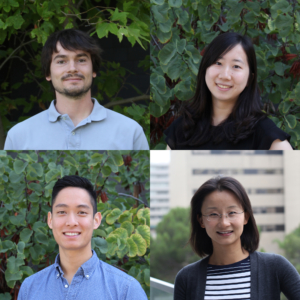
x,y
265,133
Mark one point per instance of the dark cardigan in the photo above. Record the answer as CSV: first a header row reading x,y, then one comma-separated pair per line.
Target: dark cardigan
x,y
270,275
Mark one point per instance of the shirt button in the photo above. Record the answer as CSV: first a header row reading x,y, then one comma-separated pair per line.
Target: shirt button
x,y
64,118
87,276
66,286
73,133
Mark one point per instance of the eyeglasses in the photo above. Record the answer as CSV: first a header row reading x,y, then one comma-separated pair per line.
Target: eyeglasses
x,y
231,216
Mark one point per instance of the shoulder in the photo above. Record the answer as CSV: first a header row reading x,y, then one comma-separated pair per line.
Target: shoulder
x,y
38,276
272,259
191,270
30,123
121,119
266,132
115,274
170,132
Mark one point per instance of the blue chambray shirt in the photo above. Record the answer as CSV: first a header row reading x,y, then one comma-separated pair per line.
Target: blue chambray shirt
x,y
95,279
103,129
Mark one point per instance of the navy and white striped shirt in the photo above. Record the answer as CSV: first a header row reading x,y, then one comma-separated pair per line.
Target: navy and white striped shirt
x,y
229,282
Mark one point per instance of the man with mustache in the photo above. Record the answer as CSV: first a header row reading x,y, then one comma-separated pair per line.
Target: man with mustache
x,y
74,121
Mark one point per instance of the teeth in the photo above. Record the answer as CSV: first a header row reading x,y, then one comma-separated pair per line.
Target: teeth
x,y
71,233
223,86
225,232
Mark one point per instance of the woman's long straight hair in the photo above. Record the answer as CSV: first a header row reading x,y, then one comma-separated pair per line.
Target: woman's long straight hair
x,y
197,113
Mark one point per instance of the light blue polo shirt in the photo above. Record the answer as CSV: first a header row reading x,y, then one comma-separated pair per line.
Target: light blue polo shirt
x,y
103,129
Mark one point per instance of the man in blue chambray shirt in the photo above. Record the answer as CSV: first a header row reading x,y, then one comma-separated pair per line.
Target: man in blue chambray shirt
x,y
77,273
74,121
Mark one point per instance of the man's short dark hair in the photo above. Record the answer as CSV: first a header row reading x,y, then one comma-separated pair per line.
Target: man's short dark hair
x,y
72,40
199,240
75,181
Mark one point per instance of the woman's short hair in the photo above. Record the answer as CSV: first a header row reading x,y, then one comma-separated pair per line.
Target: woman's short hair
x,y
70,39
75,181
199,240
247,110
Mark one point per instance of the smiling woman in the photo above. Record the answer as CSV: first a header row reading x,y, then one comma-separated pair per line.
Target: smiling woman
x,y
224,230
225,112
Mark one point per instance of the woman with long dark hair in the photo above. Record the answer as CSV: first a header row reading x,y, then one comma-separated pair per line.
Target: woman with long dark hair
x,y
224,230
225,112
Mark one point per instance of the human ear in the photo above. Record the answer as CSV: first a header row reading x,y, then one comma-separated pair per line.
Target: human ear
x,y
97,220
48,78
49,219
246,219
94,74
200,221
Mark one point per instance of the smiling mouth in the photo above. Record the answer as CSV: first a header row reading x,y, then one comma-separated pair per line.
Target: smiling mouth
x,y
71,233
224,233
223,86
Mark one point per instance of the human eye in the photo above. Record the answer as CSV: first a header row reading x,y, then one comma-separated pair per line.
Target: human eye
x,y
82,60
218,63
82,213
60,62
61,212
213,215
237,67
232,213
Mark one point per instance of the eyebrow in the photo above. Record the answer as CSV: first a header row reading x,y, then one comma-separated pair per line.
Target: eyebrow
x,y
78,206
65,56
232,206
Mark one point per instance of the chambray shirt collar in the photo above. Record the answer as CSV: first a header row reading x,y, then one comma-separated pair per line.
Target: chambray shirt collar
x,y
86,269
98,113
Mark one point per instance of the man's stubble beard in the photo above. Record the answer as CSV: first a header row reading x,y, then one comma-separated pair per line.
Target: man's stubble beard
x,y
74,94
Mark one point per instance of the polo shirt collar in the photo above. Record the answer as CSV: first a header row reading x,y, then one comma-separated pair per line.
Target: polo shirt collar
x,y
98,113
87,268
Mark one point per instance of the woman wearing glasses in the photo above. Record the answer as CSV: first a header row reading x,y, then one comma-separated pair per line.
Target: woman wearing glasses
x,y
224,230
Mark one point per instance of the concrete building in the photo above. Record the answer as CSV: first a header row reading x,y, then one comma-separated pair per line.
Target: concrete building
x,y
159,193
271,179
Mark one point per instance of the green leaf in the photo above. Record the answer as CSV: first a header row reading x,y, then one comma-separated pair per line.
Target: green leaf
x,y
119,16
113,216
175,3
133,248
193,53
14,177
284,24
280,68
183,89
144,231
15,21
101,244
166,26
147,276
166,54
26,234
250,17
36,187
11,278
52,175
116,157
183,16
26,270
20,247
6,245
17,220
286,106
19,166
35,168
14,263
104,28
180,45
161,12
159,82
291,121
140,243
5,296
125,216
128,226
41,238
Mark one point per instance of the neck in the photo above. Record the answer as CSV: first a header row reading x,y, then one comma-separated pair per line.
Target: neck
x,y
221,111
226,255
76,109
71,260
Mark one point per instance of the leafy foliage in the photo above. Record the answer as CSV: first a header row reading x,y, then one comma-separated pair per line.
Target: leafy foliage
x,y
27,179
181,30
25,27
169,250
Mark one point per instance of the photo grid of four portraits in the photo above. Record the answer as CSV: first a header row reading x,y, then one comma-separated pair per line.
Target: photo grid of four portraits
x,y
130,125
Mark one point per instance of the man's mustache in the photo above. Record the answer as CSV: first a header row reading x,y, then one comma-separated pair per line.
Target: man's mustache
x,y
72,76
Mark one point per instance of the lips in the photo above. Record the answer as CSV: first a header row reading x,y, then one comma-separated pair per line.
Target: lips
x,y
223,86
225,233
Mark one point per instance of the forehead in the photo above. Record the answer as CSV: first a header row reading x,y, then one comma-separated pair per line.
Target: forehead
x,y
221,200
236,52
66,52
73,196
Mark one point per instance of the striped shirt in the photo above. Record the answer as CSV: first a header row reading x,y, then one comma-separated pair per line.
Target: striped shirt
x,y
230,282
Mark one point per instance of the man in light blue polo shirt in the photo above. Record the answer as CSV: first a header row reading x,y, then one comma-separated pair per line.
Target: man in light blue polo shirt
x,y
74,121
77,273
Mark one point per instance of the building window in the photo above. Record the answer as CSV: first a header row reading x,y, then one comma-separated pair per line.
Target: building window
x,y
268,210
268,228
236,171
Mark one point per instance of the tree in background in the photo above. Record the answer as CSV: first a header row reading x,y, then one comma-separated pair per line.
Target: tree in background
x,y
27,179
181,29
24,29
169,250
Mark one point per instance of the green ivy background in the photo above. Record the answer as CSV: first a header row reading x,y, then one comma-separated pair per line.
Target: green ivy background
x,y
180,31
24,29
27,179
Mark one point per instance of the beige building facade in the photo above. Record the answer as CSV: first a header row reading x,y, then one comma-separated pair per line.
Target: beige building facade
x,y
271,179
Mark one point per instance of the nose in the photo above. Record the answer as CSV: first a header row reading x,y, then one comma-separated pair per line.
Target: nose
x,y
224,220
71,220
225,73
72,67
